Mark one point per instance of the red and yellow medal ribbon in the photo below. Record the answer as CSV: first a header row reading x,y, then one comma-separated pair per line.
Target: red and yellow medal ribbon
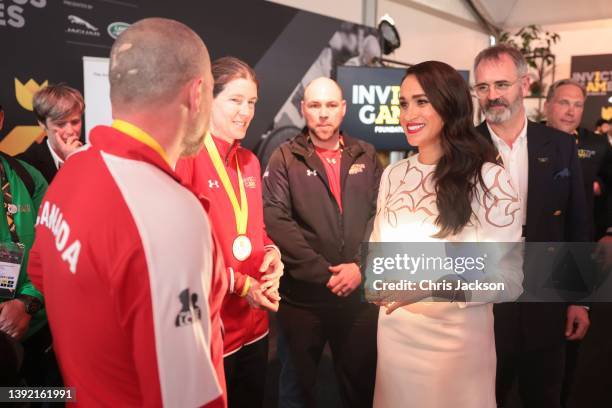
x,y
241,210
137,133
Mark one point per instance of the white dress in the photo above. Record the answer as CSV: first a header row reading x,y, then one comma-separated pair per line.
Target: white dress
x,y
440,354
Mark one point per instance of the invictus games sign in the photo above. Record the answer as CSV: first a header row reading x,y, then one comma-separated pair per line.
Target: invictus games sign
x,y
594,72
372,105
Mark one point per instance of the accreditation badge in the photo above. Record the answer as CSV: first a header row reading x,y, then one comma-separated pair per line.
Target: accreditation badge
x,y
11,257
241,248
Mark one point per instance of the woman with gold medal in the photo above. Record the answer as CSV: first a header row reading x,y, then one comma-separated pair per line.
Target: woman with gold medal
x,y
229,176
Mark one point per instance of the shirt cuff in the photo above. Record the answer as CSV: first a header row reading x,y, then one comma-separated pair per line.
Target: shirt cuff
x,y
268,247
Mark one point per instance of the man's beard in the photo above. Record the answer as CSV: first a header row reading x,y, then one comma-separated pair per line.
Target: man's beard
x,y
314,133
497,116
192,146
193,141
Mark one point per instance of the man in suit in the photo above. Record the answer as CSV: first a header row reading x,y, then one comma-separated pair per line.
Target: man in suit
x,y
59,109
564,107
543,165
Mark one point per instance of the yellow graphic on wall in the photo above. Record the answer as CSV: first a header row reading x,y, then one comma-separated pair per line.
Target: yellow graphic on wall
x,y
21,137
606,112
596,83
25,93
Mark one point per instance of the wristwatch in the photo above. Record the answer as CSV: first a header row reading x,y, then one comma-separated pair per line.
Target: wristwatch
x,y
32,304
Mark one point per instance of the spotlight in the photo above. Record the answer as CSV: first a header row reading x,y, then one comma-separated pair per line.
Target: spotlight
x,y
388,32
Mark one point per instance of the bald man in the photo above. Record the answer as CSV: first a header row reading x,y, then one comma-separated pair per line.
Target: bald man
x,y
123,251
320,191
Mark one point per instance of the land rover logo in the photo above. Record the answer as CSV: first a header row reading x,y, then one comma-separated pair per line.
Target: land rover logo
x,y
114,29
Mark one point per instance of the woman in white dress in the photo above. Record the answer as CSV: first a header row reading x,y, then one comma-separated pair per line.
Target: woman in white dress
x,y
442,354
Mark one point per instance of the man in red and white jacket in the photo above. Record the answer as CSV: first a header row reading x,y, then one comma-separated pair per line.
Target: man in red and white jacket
x,y
132,277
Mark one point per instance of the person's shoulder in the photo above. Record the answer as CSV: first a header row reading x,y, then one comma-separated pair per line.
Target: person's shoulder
x,y
359,143
548,131
296,145
592,139
35,151
245,153
34,172
399,167
30,169
555,136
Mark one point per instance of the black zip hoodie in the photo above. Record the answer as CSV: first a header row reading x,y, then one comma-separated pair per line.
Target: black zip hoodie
x,y
304,220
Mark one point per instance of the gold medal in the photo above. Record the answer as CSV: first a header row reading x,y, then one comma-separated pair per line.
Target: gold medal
x,y
241,247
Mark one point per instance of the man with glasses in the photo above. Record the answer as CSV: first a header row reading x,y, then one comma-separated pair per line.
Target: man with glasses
x,y
543,165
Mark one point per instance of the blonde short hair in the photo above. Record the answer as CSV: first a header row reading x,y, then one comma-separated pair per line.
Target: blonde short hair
x,y
57,102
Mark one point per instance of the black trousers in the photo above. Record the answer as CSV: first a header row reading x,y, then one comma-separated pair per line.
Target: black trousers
x,y
539,373
591,384
245,375
351,333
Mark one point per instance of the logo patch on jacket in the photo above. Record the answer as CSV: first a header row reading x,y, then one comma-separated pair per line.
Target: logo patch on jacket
x,y
213,183
250,182
190,311
586,154
357,168
311,172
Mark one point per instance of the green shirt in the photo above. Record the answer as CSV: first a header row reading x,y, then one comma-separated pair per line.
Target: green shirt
x,y
25,220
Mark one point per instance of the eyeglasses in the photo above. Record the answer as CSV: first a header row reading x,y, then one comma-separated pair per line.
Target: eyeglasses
x,y
482,89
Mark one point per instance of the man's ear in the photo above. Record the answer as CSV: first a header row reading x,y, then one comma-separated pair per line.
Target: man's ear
x,y
42,125
525,83
195,94
1,119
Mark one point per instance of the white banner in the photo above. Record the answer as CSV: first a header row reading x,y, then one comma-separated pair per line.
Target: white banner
x,y
97,93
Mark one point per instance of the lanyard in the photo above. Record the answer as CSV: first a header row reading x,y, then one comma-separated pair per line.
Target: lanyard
x,y
9,208
241,211
140,135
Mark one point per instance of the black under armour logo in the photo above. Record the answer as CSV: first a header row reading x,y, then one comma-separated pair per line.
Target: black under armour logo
x,y
190,311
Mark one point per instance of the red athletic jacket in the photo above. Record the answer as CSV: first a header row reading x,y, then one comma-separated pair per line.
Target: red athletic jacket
x,y
133,286
243,324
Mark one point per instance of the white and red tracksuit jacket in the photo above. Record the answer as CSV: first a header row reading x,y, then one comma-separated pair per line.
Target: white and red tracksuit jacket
x,y
132,281
242,323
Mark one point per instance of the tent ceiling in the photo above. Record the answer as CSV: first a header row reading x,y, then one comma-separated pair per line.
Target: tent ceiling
x,y
518,13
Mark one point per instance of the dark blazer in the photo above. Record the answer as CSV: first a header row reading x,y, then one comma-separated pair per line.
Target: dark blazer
x,y
556,212
595,154
39,156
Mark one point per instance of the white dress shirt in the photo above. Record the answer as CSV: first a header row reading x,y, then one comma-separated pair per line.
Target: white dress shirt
x,y
516,163
56,159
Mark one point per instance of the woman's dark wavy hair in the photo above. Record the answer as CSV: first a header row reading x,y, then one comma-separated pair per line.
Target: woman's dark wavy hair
x,y
464,149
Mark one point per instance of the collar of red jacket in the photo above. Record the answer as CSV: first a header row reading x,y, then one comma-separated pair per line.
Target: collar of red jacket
x,y
227,150
117,143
